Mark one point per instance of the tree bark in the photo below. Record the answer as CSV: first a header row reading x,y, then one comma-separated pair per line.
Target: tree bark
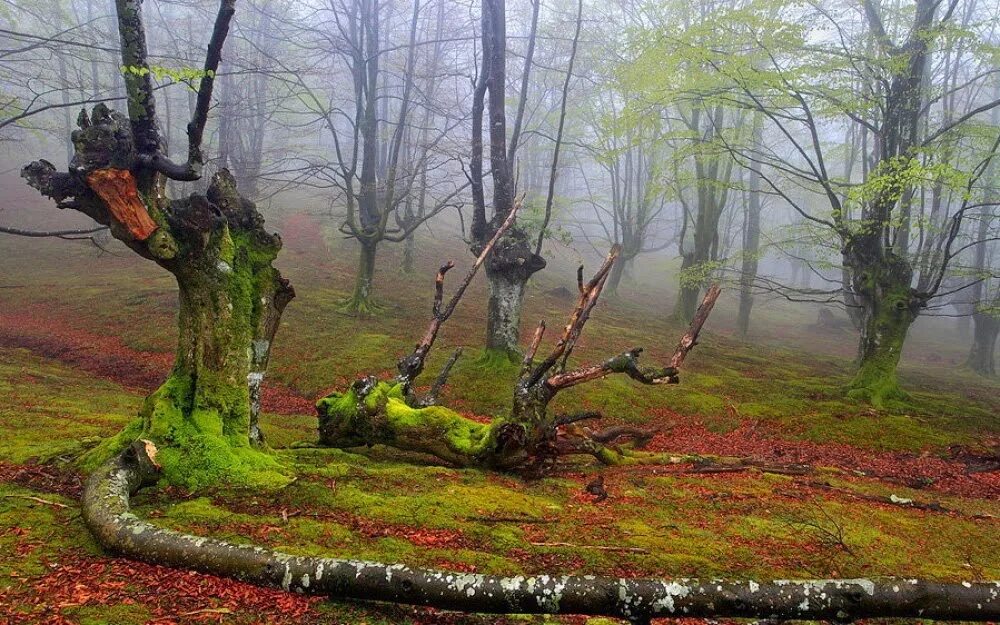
x,y
986,328
362,303
513,261
751,238
889,306
205,415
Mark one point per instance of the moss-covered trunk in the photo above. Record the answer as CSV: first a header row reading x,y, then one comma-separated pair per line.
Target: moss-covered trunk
x,y
373,412
889,308
204,418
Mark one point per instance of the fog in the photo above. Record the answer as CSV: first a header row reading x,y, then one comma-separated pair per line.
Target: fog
x,y
749,143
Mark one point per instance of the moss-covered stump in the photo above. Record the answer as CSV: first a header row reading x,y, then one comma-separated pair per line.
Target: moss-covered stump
x,y
204,418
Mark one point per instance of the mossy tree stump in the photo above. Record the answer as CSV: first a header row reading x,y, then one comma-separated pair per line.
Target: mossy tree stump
x,y
204,418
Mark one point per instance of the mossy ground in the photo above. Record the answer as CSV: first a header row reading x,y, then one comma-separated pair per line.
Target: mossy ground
x,y
383,505
380,505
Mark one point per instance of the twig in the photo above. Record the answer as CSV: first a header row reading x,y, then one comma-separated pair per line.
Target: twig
x,y
39,500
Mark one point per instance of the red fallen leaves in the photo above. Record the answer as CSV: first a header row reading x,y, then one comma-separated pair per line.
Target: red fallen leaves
x,y
42,331
41,478
752,440
171,596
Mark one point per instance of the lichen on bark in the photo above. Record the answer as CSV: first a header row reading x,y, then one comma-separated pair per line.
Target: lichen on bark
x,y
204,416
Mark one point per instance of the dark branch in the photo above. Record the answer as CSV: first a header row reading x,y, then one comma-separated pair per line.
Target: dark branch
x,y
51,233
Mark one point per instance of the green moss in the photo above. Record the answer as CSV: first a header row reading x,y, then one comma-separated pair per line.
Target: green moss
x,y
123,614
498,360
385,417
882,343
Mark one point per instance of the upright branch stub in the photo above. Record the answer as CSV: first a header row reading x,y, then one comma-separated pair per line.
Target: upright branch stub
x,y
589,294
412,365
628,362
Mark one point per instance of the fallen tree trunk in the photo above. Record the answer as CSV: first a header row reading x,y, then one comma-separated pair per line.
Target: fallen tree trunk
x,y
388,412
106,512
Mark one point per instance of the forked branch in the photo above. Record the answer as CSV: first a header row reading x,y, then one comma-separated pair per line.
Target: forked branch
x,y
628,362
411,366
589,294
192,169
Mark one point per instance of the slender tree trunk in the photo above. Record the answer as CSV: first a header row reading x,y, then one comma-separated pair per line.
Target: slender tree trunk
x,y
751,241
362,302
409,249
986,313
982,356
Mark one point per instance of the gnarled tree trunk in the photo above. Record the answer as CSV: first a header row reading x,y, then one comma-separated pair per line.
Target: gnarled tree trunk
x,y
889,307
204,418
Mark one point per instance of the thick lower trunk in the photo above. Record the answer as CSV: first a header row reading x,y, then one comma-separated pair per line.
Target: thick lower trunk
x,y
503,313
982,355
615,278
362,301
687,302
204,418
889,308
690,287
409,249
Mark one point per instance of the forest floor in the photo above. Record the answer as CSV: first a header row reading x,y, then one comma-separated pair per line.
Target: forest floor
x,y
838,490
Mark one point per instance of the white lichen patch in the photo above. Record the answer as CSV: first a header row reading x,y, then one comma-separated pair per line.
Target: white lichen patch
x,y
671,591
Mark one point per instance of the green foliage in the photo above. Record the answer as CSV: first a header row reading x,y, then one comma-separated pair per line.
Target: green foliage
x,y
186,75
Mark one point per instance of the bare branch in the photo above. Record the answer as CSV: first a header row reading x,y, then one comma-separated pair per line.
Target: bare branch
x,y
411,366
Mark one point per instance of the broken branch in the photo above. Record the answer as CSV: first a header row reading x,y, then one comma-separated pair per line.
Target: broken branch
x,y
411,366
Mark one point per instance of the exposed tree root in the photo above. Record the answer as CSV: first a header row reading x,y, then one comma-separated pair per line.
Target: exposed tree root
x,y
106,512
